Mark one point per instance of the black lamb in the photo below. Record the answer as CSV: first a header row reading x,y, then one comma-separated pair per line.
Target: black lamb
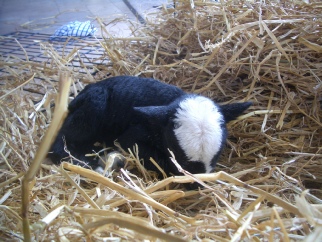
x,y
154,115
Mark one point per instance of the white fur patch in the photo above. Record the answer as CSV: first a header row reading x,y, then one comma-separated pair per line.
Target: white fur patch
x,y
199,132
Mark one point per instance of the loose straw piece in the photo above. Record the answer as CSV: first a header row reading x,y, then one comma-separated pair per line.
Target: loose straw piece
x,y
133,195
60,114
21,85
226,177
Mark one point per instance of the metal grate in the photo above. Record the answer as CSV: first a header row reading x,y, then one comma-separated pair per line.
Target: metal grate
x,y
18,50
27,46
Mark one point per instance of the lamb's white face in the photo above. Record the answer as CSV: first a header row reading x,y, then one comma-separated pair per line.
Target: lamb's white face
x,y
198,129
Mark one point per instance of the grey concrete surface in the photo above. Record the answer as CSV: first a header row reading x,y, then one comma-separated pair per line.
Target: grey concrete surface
x,y
45,16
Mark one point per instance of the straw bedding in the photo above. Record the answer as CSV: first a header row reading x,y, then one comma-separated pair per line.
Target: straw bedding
x,y
269,52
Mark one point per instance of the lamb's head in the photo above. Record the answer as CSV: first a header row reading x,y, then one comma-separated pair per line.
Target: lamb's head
x,y
194,128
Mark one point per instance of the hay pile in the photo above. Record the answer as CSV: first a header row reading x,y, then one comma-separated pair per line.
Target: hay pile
x,y
269,52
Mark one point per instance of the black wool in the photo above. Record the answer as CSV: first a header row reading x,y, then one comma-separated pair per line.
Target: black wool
x,y
132,110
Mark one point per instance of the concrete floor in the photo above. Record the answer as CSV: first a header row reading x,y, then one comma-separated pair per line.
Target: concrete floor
x,y
45,16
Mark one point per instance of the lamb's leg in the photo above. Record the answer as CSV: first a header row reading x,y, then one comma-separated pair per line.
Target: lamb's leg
x,y
140,136
76,148
82,127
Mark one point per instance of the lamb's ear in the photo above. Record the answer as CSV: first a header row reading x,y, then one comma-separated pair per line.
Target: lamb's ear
x,y
232,111
156,115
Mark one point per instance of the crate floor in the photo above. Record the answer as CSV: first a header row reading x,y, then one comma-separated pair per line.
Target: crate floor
x,y
20,50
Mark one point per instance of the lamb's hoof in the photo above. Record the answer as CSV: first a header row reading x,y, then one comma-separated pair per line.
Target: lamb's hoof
x,y
48,161
115,162
118,160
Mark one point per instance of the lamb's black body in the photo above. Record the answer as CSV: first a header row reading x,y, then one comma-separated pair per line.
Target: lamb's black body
x,y
103,112
110,110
